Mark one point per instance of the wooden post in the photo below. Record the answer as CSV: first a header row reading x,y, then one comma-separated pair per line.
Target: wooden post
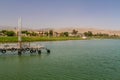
x,y
19,36
19,32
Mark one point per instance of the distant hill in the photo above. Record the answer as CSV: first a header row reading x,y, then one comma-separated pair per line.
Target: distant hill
x,y
59,30
94,30
12,28
7,27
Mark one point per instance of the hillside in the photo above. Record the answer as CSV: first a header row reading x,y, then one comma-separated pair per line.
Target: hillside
x,y
94,30
59,30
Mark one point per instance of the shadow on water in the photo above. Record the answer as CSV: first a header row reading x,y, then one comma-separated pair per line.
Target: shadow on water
x,y
24,57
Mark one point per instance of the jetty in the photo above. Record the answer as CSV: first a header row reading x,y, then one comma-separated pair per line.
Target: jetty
x,y
21,47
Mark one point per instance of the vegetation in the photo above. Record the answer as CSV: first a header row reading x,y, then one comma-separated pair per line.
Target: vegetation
x,y
35,38
33,34
46,33
50,32
8,33
66,34
26,32
74,32
10,36
8,39
88,34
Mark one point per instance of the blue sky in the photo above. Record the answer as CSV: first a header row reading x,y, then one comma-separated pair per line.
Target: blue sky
x,y
61,13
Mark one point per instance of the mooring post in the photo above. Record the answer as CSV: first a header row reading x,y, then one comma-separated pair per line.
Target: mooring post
x,y
48,51
39,52
19,36
19,52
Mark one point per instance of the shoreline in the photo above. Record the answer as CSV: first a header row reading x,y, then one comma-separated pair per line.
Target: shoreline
x,y
44,39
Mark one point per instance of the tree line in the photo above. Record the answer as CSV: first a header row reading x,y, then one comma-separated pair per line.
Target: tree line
x,y
51,33
25,32
7,33
90,34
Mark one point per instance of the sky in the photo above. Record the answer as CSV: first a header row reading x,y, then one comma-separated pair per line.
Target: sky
x,y
103,14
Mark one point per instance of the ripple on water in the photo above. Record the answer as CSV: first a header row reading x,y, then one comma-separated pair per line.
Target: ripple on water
x,y
69,60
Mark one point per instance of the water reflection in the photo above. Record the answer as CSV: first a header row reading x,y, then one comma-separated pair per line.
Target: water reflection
x,y
9,53
23,57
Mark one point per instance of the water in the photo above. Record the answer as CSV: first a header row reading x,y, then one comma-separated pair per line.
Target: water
x,y
69,60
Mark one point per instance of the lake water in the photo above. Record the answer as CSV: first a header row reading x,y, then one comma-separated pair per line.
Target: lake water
x,y
68,60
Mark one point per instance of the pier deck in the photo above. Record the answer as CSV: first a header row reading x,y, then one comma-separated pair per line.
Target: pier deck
x,y
24,48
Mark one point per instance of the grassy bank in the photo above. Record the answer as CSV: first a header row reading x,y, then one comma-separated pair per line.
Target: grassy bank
x,y
31,39
104,37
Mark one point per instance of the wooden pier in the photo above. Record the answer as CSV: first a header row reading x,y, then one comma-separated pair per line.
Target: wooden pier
x,y
21,48
4,48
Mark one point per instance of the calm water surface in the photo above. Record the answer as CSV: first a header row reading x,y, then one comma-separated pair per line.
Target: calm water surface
x,y
69,60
